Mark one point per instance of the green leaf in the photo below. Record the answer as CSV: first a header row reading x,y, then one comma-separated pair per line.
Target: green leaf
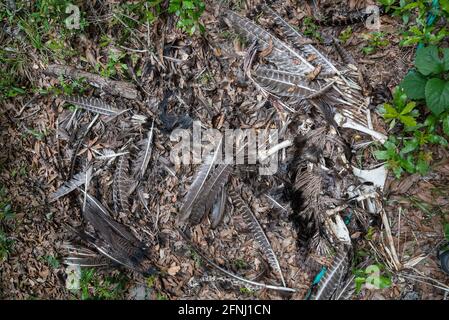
x,y
445,5
437,95
385,282
408,108
359,281
414,84
430,123
397,171
436,139
408,121
408,164
390,111
428,61
446,231
422,167
399,98
381,155
446,58
446,124
410,145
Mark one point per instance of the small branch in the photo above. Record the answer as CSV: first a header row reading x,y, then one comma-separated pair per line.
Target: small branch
x,y
117,88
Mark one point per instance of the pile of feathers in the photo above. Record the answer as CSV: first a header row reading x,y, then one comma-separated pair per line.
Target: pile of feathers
x,y
319,106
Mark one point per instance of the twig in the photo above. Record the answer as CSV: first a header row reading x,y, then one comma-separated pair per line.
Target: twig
x,y
118,88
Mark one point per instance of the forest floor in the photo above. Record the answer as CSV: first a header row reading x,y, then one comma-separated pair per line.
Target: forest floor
x,y
204,74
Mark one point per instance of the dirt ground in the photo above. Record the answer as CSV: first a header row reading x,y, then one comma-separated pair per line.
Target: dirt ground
x,y
205,77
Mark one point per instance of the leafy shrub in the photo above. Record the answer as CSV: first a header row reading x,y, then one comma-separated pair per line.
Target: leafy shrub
x,y
188,11
429,81
424,29
425,86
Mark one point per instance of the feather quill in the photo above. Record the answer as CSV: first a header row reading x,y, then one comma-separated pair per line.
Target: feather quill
x,y
257,231
93,105
232,275
83,257
143,158
87,179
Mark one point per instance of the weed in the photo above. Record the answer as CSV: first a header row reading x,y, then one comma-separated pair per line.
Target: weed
x,y
376,41
345,35
6,214
373,277
428,87
247,291
150,281
52,262
160,296
93,287
311,29
240,264
188,12
425,29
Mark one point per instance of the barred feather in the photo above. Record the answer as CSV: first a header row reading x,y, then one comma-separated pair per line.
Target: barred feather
x,y
212,187
197,188
123,185
93,105
257,231
231,275
333,277
298,40
78,180
218,209
114,240
283,83
143,158
282,55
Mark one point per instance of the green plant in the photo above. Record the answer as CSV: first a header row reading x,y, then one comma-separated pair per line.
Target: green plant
x,y
345,35
6,214
150,281
310,29
388,4
114,65
430,82
410,153
374,276
446,231
188,12
376,40
240,264
5,246
53,262
425,30
94,287
160,296
400,110
247,291
428,85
